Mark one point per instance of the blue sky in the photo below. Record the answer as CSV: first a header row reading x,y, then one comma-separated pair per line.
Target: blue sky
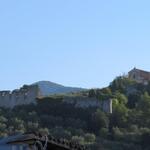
x,y
84,43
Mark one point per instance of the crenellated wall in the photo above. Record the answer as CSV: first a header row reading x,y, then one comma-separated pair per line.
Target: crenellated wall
x,y
24,95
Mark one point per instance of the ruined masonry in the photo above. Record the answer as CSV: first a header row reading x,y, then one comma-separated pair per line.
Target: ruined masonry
x,y
29,93
25,95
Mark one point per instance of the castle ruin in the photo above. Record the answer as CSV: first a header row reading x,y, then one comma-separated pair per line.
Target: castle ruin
x,y
24,95
86,102
29,93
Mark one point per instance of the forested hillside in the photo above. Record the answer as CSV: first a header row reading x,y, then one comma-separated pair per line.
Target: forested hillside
x,y
127,128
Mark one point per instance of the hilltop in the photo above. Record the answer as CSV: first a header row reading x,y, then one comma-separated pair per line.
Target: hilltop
x,y
126,128
47,88
77,117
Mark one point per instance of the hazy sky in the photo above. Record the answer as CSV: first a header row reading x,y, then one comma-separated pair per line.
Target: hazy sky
x,y
85,43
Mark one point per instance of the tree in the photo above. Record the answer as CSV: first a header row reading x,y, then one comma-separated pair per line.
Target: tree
x,y
60,132
92,93
77,139
44,131
119,116
121,98
144,103
145,140
121,83
133,99
144,107
32,126
89,138
99,120
103,94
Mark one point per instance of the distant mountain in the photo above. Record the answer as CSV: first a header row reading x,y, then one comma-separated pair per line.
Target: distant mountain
x,y
48,88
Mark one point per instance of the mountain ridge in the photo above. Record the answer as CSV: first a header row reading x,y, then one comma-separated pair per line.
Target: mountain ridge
x,y
48,88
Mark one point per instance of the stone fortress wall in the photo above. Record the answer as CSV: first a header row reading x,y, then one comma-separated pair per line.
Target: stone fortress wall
x,y
86,102
24,95
28,94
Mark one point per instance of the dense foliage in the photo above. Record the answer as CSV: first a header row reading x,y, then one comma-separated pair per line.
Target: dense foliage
x,y
127,128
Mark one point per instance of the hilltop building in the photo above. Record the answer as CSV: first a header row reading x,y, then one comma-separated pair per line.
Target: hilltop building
x,y
139,76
